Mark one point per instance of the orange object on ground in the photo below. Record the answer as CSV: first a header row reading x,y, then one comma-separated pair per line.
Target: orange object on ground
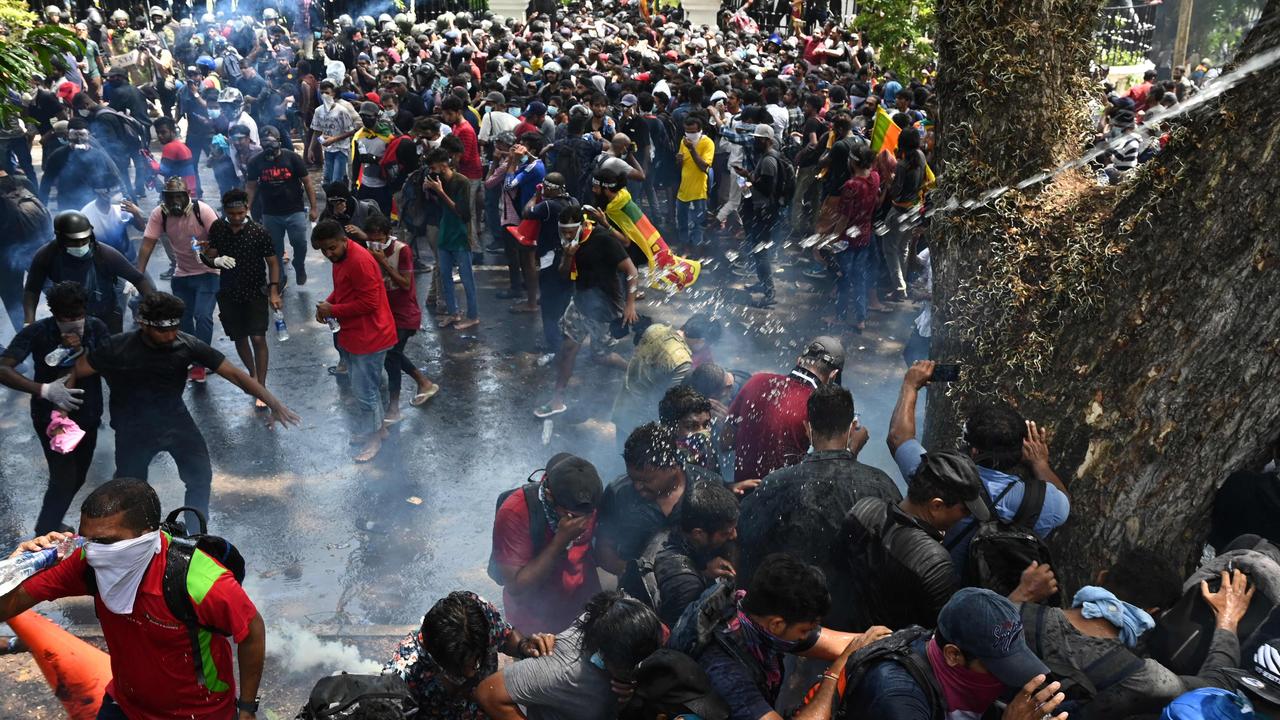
x,y
77,671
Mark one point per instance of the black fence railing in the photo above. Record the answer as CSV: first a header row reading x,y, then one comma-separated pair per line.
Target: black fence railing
x,y
1125,32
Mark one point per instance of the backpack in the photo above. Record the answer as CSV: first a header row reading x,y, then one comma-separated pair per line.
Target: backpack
x,y
164,217
894,648
701,624
359,697
182,547
537,521
1183,633
28,218
1001,550
1080,685
785,186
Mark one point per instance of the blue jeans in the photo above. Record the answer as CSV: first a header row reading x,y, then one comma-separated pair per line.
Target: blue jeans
x,y
689,216
461,259
200,294
556,291
857,273
336,165
366,384
296,225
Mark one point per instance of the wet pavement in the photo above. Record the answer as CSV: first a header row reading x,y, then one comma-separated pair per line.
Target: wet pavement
x,y
334,544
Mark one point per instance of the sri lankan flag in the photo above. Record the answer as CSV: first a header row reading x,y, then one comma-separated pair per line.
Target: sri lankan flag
x,y
666,270
884,134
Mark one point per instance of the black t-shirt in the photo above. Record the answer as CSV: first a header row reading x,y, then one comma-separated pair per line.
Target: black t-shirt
x,y
40,338
598,289
97,272
147,382
838,172
638,130
250,247
809,157
279,181
628,521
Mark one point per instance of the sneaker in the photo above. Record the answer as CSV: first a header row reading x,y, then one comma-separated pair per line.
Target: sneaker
x,y
196,374
301,274
816,272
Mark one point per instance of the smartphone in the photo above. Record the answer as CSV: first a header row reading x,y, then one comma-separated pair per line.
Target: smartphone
x,y
946,372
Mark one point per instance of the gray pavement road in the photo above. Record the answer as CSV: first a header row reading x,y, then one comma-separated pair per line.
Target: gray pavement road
x,y
334,543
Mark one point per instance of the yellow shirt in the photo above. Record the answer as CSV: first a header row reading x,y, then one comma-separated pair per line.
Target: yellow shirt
x,y
693,181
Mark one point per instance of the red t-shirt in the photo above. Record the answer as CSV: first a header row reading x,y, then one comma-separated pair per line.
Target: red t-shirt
x,y
404,302
153,673
359,301
469,163
526,127
770,410
558,600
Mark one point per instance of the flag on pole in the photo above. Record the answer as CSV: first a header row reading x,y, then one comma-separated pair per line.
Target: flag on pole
x,y
666,270
884,134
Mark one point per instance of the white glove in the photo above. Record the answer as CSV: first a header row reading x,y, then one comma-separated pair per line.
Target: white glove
x,y
130,290
224,262
57,392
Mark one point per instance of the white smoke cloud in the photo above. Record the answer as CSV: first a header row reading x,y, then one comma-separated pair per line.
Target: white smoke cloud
x,y
295,650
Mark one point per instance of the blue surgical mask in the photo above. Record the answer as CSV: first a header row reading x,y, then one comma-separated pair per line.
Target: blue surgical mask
x,y
598,660
79,251
215,112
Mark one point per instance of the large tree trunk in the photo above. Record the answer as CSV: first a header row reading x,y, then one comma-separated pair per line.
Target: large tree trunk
x,y
1140,323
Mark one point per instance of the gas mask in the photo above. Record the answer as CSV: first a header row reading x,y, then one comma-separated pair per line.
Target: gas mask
x,y
270,146
79,139
175,203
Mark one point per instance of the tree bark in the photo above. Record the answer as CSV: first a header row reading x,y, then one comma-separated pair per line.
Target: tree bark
x,y
1140,322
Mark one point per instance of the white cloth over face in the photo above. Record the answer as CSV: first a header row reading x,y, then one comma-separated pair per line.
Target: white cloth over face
x,y
118,569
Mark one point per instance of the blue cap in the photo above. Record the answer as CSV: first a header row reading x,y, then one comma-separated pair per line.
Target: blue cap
x,y
1209,704
536,108
988,627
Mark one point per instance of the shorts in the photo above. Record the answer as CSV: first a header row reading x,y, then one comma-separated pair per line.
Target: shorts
x,y
244,318
579,328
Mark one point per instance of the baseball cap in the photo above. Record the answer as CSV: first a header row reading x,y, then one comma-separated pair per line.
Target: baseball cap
x,y
628,100
763,130
957,468
824,347
400,80
496,98
1263,680
575,484
719,95
536,108
988,627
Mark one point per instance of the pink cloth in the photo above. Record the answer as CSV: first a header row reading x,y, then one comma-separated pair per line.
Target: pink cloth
x,y
64,434
965,689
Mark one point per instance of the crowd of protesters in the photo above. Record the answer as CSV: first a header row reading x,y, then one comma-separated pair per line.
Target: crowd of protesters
x,y
745,565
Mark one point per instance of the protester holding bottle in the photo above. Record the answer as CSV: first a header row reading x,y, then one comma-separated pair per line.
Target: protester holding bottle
x,y
61,339
242,249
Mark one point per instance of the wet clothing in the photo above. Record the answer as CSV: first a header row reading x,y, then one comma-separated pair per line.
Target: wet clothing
x,y
165,685
98,272
749,685
628,521
770,411
247,281
147,382
359,301
422,673
279,181
662,360
673,569
563,685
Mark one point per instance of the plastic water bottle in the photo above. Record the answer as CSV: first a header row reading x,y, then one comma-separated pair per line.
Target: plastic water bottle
x,y
195,245
57,355
333,325
15,570
282,330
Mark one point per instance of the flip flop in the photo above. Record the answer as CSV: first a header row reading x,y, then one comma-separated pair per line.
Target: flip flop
x,y
466,324
545,411
422,397
258,404
333,370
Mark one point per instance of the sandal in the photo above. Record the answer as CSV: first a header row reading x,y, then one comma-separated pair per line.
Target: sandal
x,y
422,397
466,324
545,411
446,321
336,370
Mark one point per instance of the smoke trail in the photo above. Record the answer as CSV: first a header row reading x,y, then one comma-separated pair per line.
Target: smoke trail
x,y
297,650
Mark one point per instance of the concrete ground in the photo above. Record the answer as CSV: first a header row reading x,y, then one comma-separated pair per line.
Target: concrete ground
x,y
357,553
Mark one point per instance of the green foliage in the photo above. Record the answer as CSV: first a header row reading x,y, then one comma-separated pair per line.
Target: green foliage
x,y
27,52
901,31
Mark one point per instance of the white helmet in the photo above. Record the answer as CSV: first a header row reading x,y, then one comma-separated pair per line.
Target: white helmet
x,y
53,11
344,20
270,14
209,19
233,97
120,15
156,10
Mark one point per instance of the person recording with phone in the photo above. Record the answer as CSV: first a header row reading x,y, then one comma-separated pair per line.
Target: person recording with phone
x,y
1010,451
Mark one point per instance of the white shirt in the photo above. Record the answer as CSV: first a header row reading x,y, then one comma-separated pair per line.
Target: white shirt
x,y
781,118
494,123
335,121
248,122
109,225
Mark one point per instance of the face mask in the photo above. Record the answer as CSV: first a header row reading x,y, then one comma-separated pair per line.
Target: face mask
x,y
75,327
328,101
369,122
215,112
84,113
78,137
79,251
693,137
379,246
698,448
270,146
760,145
119,567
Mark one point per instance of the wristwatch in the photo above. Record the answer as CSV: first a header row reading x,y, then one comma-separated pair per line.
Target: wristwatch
x,y
247,706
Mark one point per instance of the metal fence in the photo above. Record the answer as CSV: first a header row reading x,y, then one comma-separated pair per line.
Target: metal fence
x,y
1125,33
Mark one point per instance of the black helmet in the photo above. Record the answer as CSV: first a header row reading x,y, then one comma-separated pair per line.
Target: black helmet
x,y
72,225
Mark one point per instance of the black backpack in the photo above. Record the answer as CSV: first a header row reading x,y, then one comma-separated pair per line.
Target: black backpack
x,y
784,187
1000,550
894,648
537,520
359,697
28,218
1080,685
182,546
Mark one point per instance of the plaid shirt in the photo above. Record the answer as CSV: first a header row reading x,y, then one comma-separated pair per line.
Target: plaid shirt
x,y
740,134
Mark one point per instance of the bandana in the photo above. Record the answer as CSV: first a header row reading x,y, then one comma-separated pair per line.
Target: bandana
x,y
119,568
764,646
968,693
174,322
1131,621
553,520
